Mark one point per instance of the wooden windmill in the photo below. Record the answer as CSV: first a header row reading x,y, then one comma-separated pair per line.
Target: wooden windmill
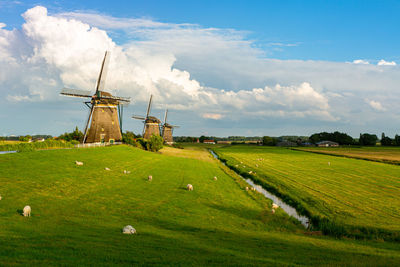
x,y
167,130
151,123
105,117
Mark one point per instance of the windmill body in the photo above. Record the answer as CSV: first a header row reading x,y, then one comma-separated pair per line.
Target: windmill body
x,y
105,118
167,130
151,123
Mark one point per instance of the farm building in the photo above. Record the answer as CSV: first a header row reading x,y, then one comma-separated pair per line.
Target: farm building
x,y
209,142
327,144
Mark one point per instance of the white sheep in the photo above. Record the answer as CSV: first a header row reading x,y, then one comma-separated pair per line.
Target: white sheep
x,y
0,197
27,211
79,163
273,211
107,169
150,178
127,172
129,230
247,188
189,187
215,178
253,189
329,163
275,206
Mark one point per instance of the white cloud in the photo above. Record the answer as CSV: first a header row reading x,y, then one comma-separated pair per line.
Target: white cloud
x,y
360,61
386,63
187,67
375,105
213,116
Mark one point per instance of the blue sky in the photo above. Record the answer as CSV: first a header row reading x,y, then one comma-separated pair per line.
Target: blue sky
x,y
296,63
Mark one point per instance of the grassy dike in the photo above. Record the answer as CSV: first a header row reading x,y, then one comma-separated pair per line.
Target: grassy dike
x,y
78,213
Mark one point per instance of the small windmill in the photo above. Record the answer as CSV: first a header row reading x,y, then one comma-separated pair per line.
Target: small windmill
x,y
167,130
105,117
151,123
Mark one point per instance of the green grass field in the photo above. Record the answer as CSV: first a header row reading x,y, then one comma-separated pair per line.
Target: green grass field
x,y
362,195
375,153
78,213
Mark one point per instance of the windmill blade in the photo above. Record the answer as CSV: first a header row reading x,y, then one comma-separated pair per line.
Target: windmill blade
x,y
75,93
165,116
103,72
149,106
139,117
118,98
174,126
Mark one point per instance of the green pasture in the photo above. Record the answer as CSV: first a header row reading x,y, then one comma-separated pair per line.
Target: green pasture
x,y
78,213
359,196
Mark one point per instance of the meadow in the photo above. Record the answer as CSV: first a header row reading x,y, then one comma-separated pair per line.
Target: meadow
x,y
78,213
374,153
342,196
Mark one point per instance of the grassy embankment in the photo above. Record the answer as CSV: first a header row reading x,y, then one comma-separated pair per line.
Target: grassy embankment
x,y
78,213
342,196
389,155
26,146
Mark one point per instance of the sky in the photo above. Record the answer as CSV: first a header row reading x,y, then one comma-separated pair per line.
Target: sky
x,y
222,68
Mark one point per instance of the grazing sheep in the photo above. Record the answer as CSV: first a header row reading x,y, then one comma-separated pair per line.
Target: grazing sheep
x,y
215,178
273,211
127,172
0,197
329,163
250,172
247,188
107,169
236,165
79,163
124,171
150,178
189,187
253,189
27,211
257,165
275,206
129,230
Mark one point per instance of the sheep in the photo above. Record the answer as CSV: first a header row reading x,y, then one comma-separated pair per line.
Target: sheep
x,y
253,189
215,178
0,197
107,169
274,206
257,165
329,163
27,211
250,172
127,172
79,163
150,178
247,188
273,211
189,187
129,230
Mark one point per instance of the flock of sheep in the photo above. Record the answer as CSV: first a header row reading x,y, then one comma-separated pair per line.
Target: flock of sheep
x,y
129,229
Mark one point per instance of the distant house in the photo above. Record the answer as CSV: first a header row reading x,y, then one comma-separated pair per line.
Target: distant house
x,y
209,142
307,144
286,143
38,140
327,144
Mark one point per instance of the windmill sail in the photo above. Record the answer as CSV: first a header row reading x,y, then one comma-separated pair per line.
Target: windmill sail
x,y
101,81
75,93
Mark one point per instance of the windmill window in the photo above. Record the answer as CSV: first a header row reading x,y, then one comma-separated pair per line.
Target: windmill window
x,y
102,110
112,122
102,129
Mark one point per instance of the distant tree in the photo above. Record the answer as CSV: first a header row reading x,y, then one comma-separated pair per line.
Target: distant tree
x,y
268,141
368,139
202,138
397,140
338,137
75,135
386,141
129,138
25,138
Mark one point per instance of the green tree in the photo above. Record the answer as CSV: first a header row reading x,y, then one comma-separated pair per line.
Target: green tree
x,y
268,141
155,143
368,139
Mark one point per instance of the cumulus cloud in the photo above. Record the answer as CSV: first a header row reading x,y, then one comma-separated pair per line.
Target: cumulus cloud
x,y
386,63
213,116
375,105
213,73
360,61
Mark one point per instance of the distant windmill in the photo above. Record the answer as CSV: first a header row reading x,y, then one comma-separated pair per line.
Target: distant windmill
x,y
151,123
105,117
167,130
